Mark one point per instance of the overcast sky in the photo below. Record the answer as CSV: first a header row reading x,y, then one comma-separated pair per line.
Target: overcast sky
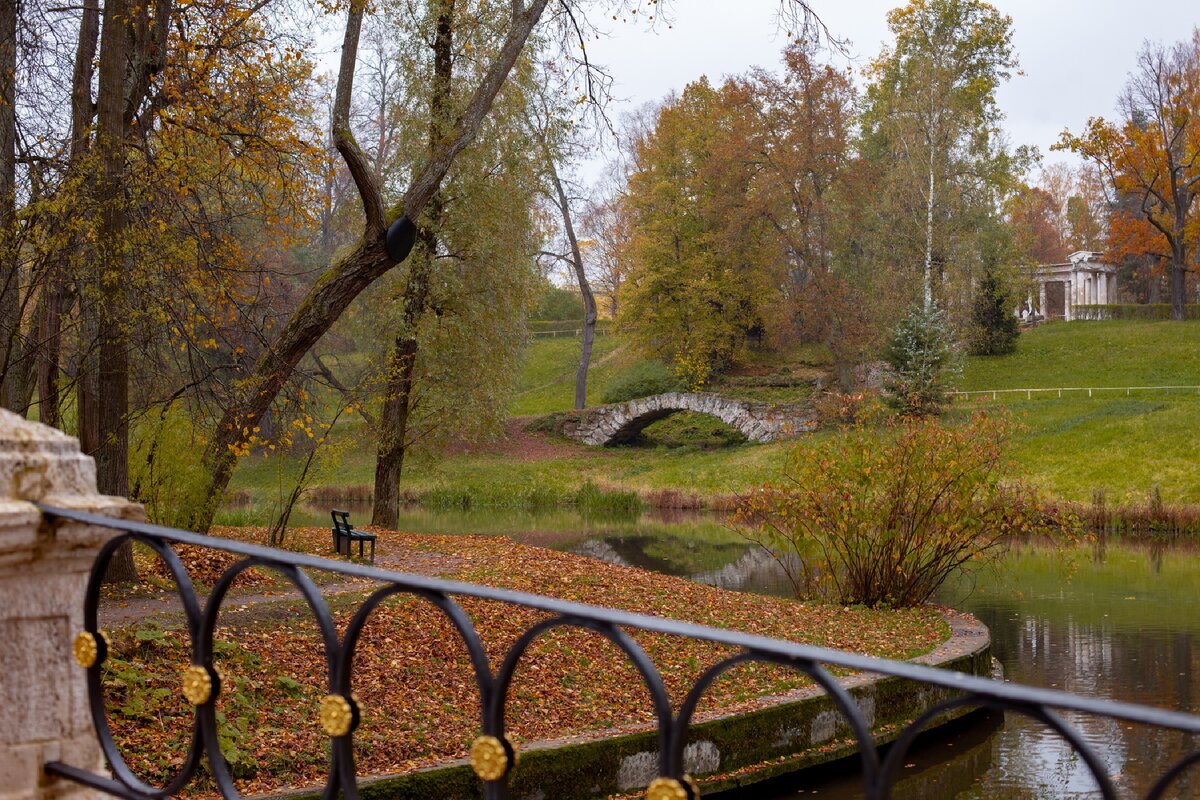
x,y
1075,54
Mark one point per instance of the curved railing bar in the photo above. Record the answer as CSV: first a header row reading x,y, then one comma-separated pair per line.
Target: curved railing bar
x,y
901,744
610,623
1170,775
345,662
208,622
1072,737
858,726
453,611
191,607
297,577
494,717
1054,698
683,717
837,693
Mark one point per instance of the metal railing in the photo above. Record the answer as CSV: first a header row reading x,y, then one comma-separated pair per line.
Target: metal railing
x,y
492,755
1029,393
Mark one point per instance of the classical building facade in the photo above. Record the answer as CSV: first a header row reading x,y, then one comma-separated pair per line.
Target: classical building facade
x,y
1082,280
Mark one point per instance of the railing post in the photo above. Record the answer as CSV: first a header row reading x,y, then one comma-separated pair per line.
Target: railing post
x,y
43,569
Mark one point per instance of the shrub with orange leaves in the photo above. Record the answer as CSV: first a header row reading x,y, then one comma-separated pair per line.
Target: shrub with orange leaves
x,y
882,516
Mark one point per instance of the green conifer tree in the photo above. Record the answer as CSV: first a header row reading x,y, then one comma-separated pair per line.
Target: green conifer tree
x,y
921,363
994,328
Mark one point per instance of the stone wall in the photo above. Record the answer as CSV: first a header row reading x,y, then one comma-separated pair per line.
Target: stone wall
x,y
785,734
619,423
43,572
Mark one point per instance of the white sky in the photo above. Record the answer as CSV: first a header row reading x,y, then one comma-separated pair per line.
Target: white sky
x,y
1075,54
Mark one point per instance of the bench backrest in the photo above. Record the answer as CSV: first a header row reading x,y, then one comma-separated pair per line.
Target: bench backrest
x,y
341,521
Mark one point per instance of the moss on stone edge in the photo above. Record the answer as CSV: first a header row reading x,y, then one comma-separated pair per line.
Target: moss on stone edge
x,y
750,747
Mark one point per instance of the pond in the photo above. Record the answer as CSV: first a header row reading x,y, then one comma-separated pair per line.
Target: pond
x,y
1117,619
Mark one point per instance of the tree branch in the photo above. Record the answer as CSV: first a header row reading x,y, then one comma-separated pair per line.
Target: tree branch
x,y
343,138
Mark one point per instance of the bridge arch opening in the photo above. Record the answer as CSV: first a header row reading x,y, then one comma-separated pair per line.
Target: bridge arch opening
x,y
678,428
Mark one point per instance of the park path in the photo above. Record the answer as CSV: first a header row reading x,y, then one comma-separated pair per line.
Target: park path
x,y
116,612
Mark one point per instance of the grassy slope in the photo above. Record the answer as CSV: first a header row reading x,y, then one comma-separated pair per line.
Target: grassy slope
x,y
1123,445
547,380
1087,354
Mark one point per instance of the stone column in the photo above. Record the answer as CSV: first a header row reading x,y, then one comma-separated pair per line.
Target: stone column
x,y
43,572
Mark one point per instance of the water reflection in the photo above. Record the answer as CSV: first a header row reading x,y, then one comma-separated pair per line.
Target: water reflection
x,y
1115,619
1118,621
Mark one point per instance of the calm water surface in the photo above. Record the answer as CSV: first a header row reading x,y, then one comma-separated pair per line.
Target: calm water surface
x,y
1119,620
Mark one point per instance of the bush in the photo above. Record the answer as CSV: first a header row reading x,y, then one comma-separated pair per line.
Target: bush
x,y
994,328
837,408
920,360
643,379
166,473
1135,311
557,303
591,500
882,517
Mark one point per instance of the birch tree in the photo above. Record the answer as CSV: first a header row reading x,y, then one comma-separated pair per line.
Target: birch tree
x,y
932,113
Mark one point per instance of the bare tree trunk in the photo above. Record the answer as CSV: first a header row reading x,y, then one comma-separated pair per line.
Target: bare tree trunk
x,y
929,240
1178,279
389,458
10,282
585,289
402,359
49,332
365,263
52,305
112,381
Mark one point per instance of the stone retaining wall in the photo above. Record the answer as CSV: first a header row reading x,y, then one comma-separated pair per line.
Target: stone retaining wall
x,y
788,733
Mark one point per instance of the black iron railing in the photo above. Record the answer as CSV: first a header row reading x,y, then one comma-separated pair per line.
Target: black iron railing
x,y
492,756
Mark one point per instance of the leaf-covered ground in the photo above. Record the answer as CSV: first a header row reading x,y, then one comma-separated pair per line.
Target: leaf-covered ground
x,y
412,676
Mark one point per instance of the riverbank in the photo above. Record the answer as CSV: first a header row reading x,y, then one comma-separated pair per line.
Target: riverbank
x,y
784,734
417,690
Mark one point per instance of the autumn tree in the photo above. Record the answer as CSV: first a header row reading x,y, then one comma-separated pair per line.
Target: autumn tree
x,y
802,140
1037,222
1151,157
700,252
747,180
1081,206
932,124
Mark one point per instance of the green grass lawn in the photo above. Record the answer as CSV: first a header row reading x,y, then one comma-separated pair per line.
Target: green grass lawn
x,y
722,471
1069,447
1123,445
546,382
1093,354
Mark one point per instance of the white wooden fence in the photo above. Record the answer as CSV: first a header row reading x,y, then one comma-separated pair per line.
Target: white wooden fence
x,y
1029,393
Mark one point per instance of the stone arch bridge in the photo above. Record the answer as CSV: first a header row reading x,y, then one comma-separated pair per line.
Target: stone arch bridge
x,y
619,423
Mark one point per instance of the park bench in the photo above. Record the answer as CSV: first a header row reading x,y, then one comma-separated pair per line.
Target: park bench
x,y
344,535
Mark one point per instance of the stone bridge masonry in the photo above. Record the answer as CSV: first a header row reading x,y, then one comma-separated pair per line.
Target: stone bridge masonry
x,y
619,423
